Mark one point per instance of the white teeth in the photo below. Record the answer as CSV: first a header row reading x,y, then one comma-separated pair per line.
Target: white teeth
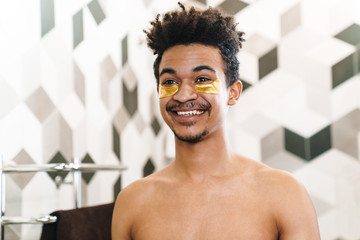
x,y
190,113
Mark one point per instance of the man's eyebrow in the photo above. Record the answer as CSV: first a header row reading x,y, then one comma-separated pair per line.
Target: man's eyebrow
x,y
167,70
203,67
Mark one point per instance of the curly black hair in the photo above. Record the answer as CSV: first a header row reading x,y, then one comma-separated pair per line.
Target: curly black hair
x,y
208,27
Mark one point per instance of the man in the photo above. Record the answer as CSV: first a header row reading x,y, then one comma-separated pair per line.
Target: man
x,y
208,192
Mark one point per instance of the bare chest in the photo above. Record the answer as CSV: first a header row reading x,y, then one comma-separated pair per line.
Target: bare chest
x,y
206,215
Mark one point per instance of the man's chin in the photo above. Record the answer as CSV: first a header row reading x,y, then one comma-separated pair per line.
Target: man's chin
x,y
192,138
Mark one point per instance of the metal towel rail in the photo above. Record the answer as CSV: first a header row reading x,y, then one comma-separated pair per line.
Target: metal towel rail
x,y
76,168
23,220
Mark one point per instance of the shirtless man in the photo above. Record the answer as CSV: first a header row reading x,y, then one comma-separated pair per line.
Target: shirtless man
x,y
208,192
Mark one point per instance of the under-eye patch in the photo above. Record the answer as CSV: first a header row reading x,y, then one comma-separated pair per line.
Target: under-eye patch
x,y
168,91
211,88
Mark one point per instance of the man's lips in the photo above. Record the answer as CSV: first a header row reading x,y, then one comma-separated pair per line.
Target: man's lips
x,y
188,110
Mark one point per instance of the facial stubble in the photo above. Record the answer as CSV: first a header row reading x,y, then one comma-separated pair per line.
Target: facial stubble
x,y
191,139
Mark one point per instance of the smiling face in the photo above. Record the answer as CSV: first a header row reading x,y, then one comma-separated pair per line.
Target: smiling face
x,y
193,93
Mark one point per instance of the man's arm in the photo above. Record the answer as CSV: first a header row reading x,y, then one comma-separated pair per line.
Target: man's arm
x,y
294,211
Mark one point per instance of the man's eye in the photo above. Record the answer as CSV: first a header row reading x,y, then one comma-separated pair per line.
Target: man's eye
x,y
203,80
169,82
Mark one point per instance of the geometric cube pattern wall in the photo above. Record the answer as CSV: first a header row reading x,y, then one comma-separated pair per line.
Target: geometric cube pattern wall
x,y
76,80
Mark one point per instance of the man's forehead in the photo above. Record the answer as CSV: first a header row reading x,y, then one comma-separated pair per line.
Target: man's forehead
x,y
196,57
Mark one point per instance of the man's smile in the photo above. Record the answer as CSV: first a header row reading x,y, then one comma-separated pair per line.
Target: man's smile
x,y
189,113
187,107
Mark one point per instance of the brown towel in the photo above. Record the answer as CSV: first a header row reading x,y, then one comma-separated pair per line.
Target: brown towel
x,y
87,223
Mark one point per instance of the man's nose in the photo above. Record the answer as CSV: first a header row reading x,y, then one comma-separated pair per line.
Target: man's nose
x,y
185,93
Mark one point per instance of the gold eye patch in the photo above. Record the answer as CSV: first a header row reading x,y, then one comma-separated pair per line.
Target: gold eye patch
x,y
212,88
165,91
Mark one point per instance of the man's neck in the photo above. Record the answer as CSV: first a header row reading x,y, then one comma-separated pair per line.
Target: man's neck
x,y
209,157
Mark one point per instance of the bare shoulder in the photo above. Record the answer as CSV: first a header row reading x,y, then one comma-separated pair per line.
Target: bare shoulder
x,y
289,202
278,180
269,178
140,190
129,205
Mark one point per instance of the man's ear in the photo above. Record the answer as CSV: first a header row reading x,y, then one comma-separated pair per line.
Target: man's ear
x,y
234,92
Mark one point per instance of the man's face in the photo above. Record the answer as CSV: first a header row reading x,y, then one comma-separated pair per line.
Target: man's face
x,y
189,112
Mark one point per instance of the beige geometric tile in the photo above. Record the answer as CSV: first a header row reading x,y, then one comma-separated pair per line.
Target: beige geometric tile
x,y
345,133
40,104
121,119
291,19
139,122
232,6
50,136
65,138
272,143
107,69
79,135
107,73
22,179
79,82
129,77
115,95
